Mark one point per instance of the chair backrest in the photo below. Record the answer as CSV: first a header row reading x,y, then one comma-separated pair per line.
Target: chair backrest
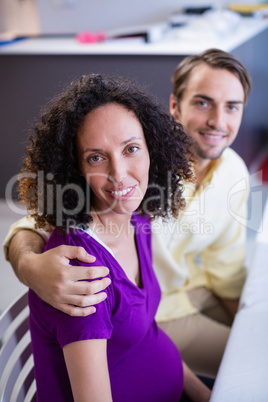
x,y
17,383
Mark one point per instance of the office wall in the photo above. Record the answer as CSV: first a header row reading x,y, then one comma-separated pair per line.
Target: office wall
x,y
72,16
19,17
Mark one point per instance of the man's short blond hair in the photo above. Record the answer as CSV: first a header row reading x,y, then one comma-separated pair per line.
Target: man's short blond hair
x,y
214,58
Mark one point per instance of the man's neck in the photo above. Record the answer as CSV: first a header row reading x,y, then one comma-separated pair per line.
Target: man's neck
x,y
202,167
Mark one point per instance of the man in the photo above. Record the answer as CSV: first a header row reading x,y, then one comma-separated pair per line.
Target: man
x,y
199,257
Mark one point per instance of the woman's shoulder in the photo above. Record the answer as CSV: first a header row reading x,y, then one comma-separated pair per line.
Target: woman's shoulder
x,y
64,237
78,238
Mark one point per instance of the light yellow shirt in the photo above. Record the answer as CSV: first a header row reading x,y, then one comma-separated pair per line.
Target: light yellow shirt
x,y
23,223
205,246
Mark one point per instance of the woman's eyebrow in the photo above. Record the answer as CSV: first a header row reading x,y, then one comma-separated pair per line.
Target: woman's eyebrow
x,y
130,139
122,144
92,150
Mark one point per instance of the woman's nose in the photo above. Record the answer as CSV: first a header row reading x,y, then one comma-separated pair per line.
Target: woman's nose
x,y
118,171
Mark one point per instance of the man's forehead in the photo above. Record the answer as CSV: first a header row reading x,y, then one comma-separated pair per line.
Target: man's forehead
x,y
207,82
203,70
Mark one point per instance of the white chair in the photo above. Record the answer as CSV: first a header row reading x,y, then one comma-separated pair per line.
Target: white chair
x,y
17,383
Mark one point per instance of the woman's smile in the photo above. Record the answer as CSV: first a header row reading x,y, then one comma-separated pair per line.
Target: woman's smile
x,y
122,193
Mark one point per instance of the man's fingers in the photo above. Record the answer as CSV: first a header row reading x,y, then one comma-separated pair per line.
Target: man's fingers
x,y
90,288
76,289
81,306
79,273
76,311
86,301
74,253
84,294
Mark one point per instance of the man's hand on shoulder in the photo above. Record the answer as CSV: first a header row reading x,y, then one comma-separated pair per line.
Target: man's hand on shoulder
x,y
63,285
51,277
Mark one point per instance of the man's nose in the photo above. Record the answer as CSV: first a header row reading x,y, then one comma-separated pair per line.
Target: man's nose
x,y
216,119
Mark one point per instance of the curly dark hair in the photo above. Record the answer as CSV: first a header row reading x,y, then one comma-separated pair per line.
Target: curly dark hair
x,y
51,173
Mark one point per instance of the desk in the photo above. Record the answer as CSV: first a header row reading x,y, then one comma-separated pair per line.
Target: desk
x,y
243,374
171,45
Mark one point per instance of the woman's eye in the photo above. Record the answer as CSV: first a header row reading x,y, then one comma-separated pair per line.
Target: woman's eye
x,y
95,158
132,149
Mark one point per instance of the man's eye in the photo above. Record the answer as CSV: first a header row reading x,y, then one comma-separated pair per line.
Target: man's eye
x,y
233,108
202,103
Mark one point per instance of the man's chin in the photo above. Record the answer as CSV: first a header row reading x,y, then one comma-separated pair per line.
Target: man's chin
x,y
212,154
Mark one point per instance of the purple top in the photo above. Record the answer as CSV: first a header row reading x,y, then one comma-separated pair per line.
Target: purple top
x,y
144,364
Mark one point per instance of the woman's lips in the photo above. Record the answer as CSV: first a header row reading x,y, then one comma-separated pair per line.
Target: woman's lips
x,y
122,193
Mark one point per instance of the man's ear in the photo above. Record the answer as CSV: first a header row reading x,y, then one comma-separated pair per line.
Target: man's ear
x,y
173,107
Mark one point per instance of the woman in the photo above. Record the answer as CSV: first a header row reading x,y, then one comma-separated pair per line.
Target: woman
x,y
104,160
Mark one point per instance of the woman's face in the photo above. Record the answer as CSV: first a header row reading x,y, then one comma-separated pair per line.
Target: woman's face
x,y
114,159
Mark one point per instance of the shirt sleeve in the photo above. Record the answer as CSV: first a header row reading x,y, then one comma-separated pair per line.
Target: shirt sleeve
x,y
224,259
72,329
25,223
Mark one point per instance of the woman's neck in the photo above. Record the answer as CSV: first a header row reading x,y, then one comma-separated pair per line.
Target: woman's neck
x,y
111,228
118,233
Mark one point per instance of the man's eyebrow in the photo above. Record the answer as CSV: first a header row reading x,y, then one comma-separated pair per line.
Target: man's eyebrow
x,y
208,98
235,102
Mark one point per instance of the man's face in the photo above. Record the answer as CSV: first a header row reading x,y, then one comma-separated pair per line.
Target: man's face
x,y
211,109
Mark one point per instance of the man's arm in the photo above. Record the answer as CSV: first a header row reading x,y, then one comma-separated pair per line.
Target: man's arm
x,y
53,279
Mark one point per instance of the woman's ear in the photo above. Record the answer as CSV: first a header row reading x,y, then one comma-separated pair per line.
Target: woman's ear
x,y
173,107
